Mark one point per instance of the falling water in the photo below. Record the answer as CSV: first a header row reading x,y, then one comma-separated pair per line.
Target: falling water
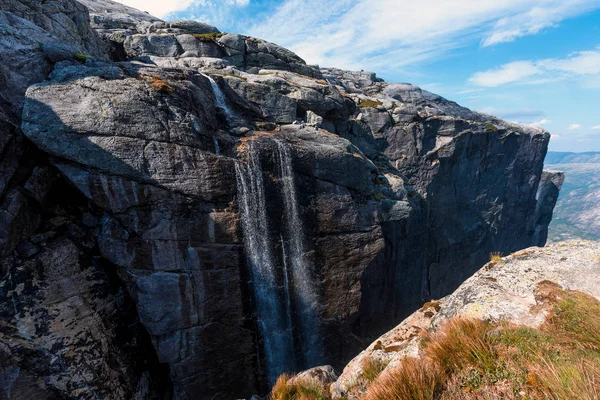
x,y
274,323
305,293
284,293
220,99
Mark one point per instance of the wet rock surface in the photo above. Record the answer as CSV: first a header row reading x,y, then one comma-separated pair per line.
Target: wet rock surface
x,y
401,195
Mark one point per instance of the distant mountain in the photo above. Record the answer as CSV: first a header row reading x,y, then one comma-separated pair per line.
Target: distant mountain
x,y
572,158
577,213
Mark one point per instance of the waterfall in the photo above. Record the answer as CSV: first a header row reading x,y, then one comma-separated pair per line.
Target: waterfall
x,y
305,292
286,300
220,99
274,323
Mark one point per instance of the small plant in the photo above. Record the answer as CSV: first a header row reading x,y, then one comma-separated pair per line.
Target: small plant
x,y
160,85
369,103
80,57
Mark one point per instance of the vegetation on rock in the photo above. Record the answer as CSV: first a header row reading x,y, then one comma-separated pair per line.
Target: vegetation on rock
x,y
474,359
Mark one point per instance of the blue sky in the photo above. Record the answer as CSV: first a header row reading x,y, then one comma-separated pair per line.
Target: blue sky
x,y
528,61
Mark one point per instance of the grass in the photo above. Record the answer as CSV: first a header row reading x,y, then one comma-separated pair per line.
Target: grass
x,y
369,103
495,257
160,84
372,367
414,380
287,388
208,37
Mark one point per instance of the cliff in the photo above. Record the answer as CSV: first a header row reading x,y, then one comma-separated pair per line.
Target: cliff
x,y
221,209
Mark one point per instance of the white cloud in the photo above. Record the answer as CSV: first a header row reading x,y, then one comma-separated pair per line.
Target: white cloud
x,y
596,127
158,8
574,127
511,72
580,64
541,122
390,35
162,8
543,14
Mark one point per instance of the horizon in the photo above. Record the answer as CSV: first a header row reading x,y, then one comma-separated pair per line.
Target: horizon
x,y
534,62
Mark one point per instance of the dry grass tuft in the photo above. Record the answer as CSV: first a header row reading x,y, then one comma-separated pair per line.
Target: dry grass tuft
x,y
288,388
160,85
414,380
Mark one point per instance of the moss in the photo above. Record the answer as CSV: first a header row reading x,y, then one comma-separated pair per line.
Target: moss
x,y
80,57
369,103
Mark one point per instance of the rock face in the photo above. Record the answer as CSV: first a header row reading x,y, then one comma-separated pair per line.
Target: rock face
x,y
507,290
254,209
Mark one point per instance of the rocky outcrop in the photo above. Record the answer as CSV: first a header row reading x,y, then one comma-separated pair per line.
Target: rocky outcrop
x,y
263,215
547,196
510,290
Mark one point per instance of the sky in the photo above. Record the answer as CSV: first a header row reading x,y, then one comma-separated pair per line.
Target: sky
x,y
528,61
